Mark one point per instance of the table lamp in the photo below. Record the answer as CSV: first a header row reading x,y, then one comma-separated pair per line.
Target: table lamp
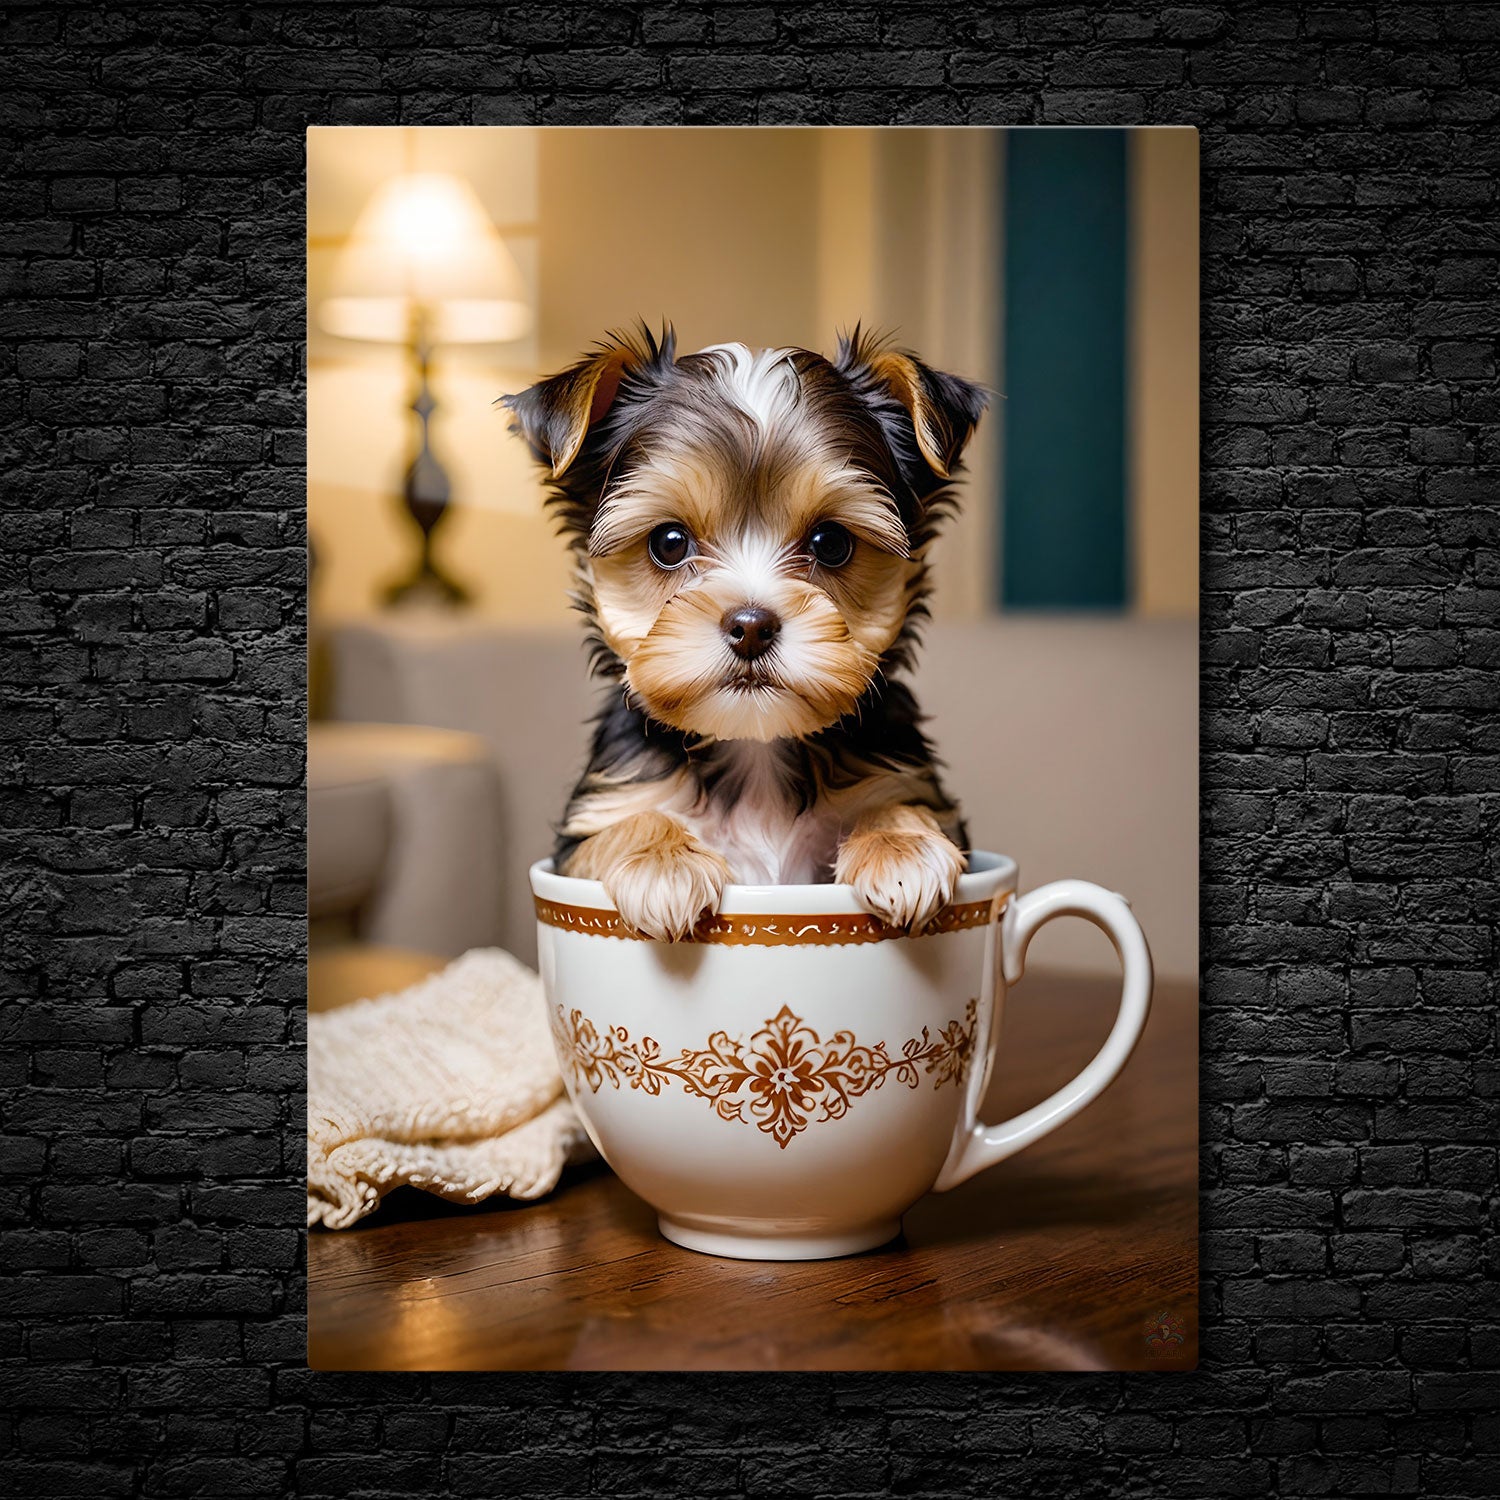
x,y
424,266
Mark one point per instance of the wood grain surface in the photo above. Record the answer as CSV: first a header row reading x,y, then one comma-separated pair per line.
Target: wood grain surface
x,y
1067,1257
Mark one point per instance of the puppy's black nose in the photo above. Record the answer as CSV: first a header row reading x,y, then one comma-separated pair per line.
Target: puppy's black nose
x,y
752,631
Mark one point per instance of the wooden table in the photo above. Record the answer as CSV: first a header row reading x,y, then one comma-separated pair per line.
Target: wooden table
x,y
1071,1256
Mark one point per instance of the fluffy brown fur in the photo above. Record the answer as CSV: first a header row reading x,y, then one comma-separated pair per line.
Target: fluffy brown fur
x,y
806,491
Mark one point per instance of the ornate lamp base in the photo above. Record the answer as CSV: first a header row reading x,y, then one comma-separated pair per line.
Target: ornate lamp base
x,y
428,585
426,493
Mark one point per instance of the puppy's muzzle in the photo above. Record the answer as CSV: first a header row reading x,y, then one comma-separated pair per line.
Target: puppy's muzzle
x,y
751,630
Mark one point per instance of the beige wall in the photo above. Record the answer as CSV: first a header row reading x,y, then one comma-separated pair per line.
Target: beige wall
x,y
908,241
714,229
1163,374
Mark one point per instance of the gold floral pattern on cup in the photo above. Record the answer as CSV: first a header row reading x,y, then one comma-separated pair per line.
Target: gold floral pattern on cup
x,y
769,929
786,1076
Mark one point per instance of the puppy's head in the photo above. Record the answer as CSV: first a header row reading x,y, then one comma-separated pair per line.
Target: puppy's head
x,y
750,526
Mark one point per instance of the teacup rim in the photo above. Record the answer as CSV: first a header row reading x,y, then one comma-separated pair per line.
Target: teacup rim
x,y
989,874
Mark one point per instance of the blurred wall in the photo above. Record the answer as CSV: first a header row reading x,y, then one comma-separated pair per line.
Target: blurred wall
x,y
1163,374
714,229
908,242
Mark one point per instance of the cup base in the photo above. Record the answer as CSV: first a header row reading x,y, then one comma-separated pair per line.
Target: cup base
x,y
753,1243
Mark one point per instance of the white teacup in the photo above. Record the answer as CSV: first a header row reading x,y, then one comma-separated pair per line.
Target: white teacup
x,y
787,1086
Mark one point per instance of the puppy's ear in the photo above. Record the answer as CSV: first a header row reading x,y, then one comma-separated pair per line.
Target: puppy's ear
x,y
555,415
944,409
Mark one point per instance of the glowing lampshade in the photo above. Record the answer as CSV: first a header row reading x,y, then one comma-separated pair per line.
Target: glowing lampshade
x,y
424,242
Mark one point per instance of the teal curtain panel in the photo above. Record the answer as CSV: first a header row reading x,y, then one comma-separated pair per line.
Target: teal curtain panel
x,y
1063,537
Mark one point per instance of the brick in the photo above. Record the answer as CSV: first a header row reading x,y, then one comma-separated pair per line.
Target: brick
x,y
151,230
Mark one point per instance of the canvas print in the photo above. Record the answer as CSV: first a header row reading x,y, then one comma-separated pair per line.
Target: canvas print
x,y
752,760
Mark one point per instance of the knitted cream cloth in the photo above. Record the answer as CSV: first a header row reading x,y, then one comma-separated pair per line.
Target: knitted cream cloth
x,y
450,1086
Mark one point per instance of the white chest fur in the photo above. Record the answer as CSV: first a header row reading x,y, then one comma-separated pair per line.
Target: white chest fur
x,y
756,824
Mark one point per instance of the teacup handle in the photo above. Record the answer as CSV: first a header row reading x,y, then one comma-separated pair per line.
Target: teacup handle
x,y
987,1144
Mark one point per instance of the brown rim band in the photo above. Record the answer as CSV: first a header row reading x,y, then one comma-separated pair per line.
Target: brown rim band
x,y
773,931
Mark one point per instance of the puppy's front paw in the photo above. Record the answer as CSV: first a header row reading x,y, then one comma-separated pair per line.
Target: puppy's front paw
x,y
663,893
660,878
902,866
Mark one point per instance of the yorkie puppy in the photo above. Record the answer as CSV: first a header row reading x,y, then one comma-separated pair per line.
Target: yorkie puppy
x,y
751,531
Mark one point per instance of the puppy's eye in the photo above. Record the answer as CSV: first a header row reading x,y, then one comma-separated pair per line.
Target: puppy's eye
x,y
830,544
670,545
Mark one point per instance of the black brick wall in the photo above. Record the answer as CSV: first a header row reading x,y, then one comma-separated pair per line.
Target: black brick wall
x,y
151,1335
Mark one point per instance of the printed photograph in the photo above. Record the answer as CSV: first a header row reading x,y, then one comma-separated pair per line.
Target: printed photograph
x,y
752,777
